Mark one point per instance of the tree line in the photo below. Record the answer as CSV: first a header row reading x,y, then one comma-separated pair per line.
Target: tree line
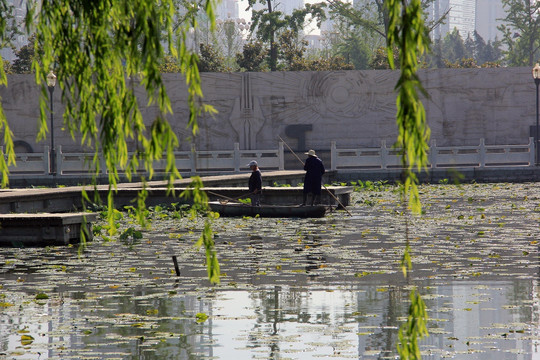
x,y
275,41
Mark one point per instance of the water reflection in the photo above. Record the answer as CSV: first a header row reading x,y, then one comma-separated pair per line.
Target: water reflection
x,y
291,288
480,320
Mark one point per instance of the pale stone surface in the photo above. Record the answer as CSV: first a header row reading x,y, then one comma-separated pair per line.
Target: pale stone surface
x,y
311,109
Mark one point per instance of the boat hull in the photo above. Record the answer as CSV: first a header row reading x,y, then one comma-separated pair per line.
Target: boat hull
x,y
238,209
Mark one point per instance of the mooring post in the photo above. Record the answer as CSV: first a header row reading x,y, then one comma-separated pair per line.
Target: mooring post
x,y
176,268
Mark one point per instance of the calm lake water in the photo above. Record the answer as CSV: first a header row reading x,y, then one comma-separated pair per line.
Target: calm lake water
x,y
290,288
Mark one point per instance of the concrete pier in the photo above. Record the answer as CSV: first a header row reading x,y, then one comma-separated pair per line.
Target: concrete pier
x,y
20,230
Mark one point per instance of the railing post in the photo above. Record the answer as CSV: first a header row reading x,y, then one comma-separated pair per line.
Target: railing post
x,y
333,156
432,157
384,155
482,153
281,156
532,150
236,157
103,165
58,161
47,159
193,159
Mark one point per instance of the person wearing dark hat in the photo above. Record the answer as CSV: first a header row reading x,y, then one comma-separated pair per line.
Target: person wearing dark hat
x,y
255,183
312,181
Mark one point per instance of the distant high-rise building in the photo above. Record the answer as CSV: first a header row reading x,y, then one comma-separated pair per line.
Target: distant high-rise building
x,y
488,16
290,5
285,6
227,9
461,16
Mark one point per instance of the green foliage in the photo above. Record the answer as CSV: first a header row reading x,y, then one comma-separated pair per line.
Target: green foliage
x,y
8,68
521,32
453,52
468,63
355,50
210,59
41,296
130,233
370,16
329,64
415,328
9,25
201,317
453,47
407,31
25,57
170,65
380,59
252,57
291,48
276,184
101,51
369,185
364,29
267,24
229,38
7,158
200,204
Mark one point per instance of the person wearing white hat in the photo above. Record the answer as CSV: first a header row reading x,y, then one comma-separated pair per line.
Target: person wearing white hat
x,y
255,183
314,168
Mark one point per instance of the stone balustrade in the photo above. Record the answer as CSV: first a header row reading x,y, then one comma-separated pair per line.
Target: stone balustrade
x,y
198,162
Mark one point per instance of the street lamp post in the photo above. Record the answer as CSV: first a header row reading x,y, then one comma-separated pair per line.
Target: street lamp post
x,y
51,83
536,77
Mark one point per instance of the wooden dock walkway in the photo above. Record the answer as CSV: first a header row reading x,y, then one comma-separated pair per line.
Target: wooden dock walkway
x,y
51,216
69,199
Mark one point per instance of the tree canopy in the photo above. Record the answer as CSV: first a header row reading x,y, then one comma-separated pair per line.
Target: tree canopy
x,y
521,31
268,23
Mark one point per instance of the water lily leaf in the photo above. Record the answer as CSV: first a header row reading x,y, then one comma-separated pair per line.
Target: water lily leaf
x,y
42,296
27,339
201,317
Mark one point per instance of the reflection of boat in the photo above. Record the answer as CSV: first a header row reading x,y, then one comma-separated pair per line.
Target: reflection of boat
x,y
239,209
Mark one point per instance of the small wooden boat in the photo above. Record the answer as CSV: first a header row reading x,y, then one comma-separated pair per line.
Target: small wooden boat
x,y
239,209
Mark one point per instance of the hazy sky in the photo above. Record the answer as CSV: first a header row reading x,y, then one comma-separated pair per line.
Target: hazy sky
x,y
242,4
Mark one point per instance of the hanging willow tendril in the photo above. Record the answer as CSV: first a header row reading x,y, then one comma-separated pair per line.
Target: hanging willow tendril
x,y
102,51
200,205
7,157
408,33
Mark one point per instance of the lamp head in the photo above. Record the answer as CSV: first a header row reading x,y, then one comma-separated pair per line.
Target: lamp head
x,y
51,79
536,71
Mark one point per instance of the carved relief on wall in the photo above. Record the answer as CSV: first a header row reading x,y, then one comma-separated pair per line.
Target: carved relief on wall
x,y
246,117
311,109
335,94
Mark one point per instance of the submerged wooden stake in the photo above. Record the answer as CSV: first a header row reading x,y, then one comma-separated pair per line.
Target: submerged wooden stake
x,y
176,268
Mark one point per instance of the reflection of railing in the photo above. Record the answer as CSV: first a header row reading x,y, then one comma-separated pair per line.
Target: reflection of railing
x,y
481,156
187,162
342,160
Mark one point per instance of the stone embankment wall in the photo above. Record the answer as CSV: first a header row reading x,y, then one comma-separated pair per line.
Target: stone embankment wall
x,y
311,109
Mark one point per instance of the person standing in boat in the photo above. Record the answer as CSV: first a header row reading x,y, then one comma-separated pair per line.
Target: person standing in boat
x,y
312,181
255,183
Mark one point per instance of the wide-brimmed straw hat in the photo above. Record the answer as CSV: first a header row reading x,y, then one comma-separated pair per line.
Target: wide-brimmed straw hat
x,y
311,153
252,163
